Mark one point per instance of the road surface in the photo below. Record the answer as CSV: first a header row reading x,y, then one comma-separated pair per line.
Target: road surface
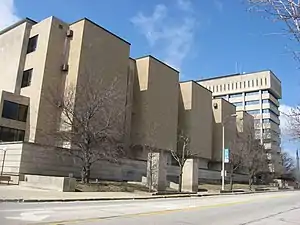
x,y
281,208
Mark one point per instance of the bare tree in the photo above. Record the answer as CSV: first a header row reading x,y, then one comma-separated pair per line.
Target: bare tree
x,y
182,153
288,163
293,119
91,122
285,11
235,156
254,154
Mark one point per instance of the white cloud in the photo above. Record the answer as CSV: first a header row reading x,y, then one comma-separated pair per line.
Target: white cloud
x,y
185,5
8,14
170,37
219,5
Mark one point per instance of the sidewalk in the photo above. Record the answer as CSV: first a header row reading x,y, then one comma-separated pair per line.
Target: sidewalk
x,y
14,193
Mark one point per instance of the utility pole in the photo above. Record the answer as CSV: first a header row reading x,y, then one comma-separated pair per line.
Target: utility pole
x,y
297,172
297,158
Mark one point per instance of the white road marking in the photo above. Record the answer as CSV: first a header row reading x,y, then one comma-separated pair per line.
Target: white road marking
x,y
31,216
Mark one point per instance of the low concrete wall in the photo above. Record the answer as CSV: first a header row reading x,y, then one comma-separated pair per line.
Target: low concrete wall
x,y
205,175
65,184
29,158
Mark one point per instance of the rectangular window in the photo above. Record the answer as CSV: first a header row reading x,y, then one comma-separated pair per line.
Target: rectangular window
x,y
266,111
32,43
252,93
14,111
237,104
265,101
235,95
221,96
255,102
252,82
10,134
26,80
257,82
266,120
253,112
265,92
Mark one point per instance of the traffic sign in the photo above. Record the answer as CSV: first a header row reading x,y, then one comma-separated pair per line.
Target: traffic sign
x,y
226,155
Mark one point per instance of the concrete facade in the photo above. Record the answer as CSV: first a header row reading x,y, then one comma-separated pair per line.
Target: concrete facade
x,y
154,106
256,93
195,119
46,58
223,112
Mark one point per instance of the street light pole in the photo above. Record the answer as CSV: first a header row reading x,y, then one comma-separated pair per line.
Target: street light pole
x,y
3,160
223,149
223,156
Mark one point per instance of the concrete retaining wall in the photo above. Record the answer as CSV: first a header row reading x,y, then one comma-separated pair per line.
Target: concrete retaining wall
x,y
65,184
28,158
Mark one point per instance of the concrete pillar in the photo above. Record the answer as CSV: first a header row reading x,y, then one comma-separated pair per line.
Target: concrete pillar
x,y
157,171
190,176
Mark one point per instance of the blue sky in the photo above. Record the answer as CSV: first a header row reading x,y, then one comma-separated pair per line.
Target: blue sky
x,y
201,38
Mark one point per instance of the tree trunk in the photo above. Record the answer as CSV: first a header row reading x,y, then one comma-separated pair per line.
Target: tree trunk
x,y
86,173
180,179
250,182
231,178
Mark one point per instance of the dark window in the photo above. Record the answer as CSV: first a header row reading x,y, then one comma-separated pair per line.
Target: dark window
x,y
252,93
254,102
32,43
14,111
26,80
10,134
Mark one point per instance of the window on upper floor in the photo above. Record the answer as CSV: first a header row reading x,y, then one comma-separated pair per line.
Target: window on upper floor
x,y
253,112
26,79
235,95
221,96
254,102
257,82
32,43
237,104
14,111
252,93
9,134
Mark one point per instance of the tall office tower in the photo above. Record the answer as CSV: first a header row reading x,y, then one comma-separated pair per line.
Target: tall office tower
x,y
258,94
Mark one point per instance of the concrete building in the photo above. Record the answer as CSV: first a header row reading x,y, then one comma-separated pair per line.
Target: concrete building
x,y
154,106
223,115
38,59
195,120
46,58
256,93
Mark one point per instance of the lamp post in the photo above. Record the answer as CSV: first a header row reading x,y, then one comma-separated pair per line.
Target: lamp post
x,y
3,159
223,148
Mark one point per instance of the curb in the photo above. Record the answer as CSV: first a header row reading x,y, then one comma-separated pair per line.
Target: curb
x,y
21,200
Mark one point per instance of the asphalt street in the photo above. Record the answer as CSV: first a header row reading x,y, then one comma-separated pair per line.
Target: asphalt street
x,y
280,208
